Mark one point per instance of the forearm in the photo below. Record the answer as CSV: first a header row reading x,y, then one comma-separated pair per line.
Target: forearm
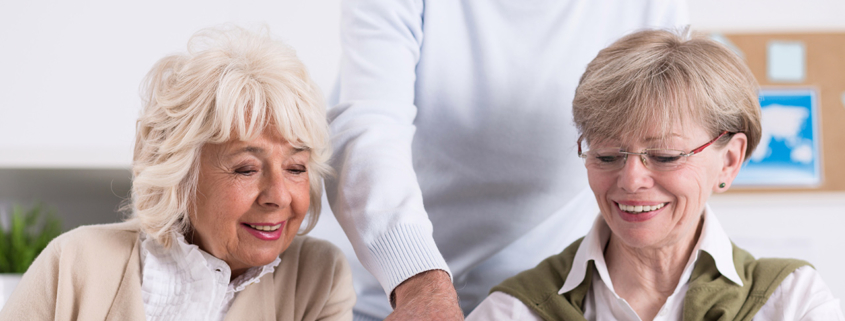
x,y
375,194
376,199
429,295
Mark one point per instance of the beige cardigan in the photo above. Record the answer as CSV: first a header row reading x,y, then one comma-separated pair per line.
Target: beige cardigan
x,y
94,273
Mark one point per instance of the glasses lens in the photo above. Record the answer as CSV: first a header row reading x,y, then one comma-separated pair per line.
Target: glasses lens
x,y
605,158
664,159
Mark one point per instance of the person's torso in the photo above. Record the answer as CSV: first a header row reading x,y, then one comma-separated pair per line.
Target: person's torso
x,y
495,148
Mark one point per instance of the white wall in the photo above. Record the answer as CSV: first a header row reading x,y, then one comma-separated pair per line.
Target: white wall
x,y
70,71
807,226
768,15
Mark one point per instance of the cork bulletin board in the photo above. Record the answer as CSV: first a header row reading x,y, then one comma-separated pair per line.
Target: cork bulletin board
x,y
824,72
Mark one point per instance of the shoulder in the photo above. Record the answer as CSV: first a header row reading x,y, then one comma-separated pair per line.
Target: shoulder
x,y
780,267
764,274
538,288
547,277
116,231
99,240
92,248
802,295
81,266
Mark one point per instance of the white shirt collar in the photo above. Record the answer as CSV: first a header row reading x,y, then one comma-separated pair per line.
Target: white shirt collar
x,y
713,240
190,256
184,282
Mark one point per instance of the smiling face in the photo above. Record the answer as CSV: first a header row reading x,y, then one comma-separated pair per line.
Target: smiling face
x,y
653,209
251,198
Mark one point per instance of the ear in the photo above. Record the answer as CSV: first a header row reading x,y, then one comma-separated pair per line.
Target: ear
x,y
733,155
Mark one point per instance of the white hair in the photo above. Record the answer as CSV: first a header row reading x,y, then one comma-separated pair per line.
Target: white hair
x,y
231,84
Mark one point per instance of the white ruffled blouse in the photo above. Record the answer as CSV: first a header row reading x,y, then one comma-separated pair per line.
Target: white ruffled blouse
x,y
186,283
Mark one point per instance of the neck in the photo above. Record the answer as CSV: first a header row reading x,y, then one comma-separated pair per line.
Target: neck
x,y
646,277
192,238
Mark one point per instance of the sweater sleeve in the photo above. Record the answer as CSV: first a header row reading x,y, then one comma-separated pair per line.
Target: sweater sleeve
x,y
375,194
34,297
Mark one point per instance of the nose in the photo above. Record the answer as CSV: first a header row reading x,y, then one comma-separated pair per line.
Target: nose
x,y
274,190
634,175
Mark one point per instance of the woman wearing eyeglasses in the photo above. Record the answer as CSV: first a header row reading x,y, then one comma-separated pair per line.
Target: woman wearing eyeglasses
x,y
666,121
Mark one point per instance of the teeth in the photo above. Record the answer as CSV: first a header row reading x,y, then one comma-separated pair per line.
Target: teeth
x,y
640,208
266,228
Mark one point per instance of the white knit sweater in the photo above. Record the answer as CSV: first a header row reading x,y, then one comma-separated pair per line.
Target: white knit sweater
x,y
453,134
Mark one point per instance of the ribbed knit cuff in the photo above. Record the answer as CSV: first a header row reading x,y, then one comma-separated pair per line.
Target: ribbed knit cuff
x,y
403,252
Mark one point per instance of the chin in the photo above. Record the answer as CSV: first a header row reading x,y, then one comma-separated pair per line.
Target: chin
x,y
263,256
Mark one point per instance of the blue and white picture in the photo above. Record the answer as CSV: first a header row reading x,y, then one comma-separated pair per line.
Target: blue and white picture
x,y
788,153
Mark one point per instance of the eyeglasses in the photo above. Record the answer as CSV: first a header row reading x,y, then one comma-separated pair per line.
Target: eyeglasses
x,y
614,158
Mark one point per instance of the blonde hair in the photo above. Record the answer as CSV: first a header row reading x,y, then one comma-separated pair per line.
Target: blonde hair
x,y
655,78
231,83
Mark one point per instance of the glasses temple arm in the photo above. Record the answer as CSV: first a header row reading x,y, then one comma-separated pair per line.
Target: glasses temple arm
x,y
698,150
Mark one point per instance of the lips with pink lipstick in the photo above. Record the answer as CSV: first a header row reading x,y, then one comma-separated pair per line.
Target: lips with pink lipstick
x,y
639,211
265,231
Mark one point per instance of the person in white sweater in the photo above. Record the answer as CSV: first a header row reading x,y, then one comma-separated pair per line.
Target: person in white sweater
x,y
454,145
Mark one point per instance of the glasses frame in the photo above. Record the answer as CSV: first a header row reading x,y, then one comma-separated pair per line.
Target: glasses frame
x,y
644,153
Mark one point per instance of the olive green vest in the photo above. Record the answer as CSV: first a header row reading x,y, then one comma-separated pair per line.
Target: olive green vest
x,y
711,296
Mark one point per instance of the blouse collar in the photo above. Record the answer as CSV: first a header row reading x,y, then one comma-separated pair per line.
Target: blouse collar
x,y
713,240
190,258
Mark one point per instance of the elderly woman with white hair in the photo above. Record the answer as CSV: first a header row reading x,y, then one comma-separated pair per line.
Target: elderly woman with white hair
x,y
230,151
666,121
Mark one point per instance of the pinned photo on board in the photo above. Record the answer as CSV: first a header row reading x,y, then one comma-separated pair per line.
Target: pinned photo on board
x,y
789,151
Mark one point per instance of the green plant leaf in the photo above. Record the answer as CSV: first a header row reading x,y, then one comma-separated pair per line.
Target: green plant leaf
x,y
28,233
30,219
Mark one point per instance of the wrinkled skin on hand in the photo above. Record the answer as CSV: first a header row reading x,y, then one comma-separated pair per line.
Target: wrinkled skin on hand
x,y
426,296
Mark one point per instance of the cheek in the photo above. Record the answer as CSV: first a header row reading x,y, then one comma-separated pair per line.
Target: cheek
x,y
300,202
224,204
301,199
600,183
691,189
229,193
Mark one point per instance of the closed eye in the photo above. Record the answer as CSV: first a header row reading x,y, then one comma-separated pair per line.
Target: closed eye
x,y
664,159
298,169
608,159
245,171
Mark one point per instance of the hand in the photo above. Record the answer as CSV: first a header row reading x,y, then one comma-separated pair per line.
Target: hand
x,y
426,296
